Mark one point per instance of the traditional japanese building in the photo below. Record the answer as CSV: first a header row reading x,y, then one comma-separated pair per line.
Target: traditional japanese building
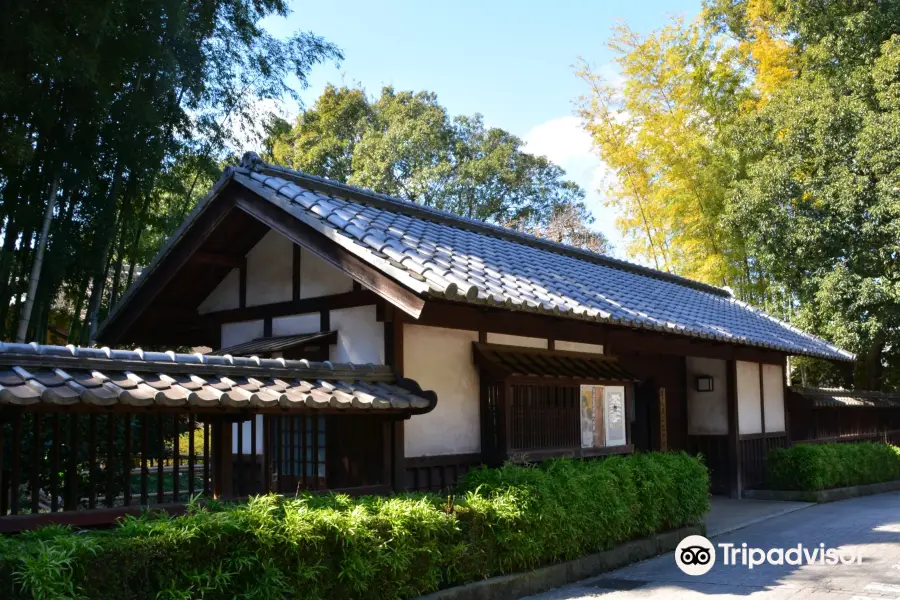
x,y
357,302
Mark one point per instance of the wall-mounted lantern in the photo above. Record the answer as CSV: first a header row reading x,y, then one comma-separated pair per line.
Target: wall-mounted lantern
x,y
704,383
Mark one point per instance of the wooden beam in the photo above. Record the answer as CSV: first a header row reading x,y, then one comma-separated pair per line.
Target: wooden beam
x,y
762,400
304,235
83,518
217,259
734,438
615,339
398,467
397,358
242,284
296,272
291,307
223,477
785,394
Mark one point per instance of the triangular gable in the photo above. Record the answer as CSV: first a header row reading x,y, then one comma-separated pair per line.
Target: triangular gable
x,y
208,251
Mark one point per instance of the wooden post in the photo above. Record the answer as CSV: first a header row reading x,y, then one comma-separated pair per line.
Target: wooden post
x,y
223,477
629,411
734,436
398,468
784,405
663,421
762,401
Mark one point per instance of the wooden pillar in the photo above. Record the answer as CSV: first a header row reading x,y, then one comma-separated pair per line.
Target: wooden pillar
x,y
734,436
398,459
762,401
223,477
785,393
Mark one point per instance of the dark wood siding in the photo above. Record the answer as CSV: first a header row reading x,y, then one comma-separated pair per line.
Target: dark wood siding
x,y
438,473
544,416
654,372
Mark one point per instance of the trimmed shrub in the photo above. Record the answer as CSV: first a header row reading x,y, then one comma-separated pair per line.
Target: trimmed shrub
x,y
811,467
333,546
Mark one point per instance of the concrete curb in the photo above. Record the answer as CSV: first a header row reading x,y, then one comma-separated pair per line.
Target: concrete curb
x,y
517,585
821,496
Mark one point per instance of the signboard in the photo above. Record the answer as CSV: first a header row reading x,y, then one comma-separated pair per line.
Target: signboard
x,y
614,399
663,421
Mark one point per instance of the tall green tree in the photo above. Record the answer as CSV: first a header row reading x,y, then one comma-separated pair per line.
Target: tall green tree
x,y
113,116
660,133
756,147
405,144
819,203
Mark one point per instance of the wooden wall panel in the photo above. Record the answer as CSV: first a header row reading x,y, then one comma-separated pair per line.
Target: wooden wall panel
x,y
654,372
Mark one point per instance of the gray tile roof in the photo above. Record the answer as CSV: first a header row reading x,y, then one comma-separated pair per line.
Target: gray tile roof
x,y
837,398
67,375
536,362
268,345
439,254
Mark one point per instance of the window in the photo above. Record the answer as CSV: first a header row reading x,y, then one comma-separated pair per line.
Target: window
x,y
299,452
602,416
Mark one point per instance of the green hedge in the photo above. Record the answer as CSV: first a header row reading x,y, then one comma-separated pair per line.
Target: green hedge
x,y
332,546
812,467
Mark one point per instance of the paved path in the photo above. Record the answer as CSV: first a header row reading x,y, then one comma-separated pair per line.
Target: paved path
x,y
727,514
869,525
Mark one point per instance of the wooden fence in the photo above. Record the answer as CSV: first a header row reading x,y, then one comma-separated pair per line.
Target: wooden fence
x,y
438,473
69,461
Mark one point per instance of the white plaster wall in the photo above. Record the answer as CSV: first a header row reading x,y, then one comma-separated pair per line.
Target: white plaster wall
x,y
773,396
318,278
238,333
360,336
225,296
269,270
707,411
441,360
577,347
749,410
294,324
516,340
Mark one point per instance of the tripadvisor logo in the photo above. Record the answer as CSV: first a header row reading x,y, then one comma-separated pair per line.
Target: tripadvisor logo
x,y
696,555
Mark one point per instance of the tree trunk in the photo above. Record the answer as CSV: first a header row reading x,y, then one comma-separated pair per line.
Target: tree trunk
x,y
6,269
79,304
38,261
123,232
103,260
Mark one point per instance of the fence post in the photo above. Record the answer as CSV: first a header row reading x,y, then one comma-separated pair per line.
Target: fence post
x,y
222,456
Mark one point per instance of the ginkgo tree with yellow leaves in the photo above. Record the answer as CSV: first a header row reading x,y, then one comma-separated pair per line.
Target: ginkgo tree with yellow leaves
x,y
756,147
658,129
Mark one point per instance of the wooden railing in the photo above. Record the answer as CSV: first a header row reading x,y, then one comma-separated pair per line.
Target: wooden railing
x,y
55,462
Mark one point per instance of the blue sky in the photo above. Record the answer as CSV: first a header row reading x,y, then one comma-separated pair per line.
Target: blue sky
x,y
510,61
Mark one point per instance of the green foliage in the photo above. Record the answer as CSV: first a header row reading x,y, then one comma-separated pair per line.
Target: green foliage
x,y
333,546
766,159
125,109
812,467
405,144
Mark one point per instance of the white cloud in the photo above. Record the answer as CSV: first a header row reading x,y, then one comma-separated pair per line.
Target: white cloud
x,y
567,144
